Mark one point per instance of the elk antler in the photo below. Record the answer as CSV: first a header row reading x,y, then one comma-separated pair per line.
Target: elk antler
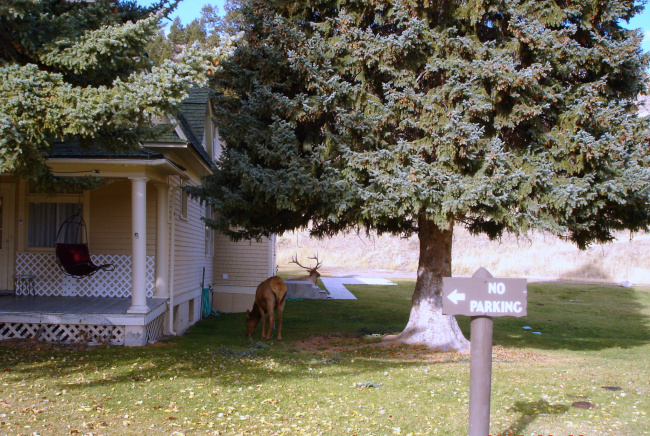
x,y
294,259
318,264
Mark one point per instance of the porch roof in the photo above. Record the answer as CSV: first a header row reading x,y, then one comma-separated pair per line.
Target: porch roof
x,y
73,149
191,120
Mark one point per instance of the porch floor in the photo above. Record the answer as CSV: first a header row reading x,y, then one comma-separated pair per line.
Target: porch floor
x,y
71,305
91,320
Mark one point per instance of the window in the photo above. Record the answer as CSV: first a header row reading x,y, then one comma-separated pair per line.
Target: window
x,y
209,233
44,221
217,146
1,223
183,202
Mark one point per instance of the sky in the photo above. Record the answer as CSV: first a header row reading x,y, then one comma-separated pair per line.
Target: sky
x,y
190,9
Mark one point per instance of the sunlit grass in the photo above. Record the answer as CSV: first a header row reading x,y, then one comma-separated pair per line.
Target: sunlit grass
x,y
213,380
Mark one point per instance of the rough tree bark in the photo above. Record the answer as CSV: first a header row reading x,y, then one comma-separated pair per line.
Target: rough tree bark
x,y
427,325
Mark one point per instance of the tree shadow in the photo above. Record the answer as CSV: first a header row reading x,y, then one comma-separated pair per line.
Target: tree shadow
x,y
529,412
242,363
587,271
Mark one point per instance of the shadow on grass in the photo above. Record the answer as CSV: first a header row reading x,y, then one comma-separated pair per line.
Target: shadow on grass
x,y
577,317
155,367
529,412
568,316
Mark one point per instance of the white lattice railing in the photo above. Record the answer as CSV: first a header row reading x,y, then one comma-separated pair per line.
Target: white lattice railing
x,y
64,333
50,281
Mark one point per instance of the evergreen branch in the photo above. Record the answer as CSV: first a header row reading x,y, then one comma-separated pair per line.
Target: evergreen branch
x,y
110,45
37,106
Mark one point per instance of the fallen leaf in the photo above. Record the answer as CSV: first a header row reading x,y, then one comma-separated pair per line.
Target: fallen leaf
x,y
612,388
584,405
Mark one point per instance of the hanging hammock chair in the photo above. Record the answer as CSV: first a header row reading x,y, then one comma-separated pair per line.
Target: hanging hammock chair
x,y
72,253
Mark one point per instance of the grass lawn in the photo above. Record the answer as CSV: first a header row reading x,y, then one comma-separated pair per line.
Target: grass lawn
x,y
330,376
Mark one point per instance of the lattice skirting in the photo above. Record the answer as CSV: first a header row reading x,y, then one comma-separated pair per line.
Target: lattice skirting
x,y
49,280
155,329
64,333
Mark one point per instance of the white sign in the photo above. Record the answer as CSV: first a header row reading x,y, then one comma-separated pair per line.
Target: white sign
x,y
473,296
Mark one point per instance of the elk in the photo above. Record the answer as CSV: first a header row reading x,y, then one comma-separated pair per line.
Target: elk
x,y
313,274
269,296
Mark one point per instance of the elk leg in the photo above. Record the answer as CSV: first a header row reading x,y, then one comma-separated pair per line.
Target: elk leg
x,y
280,309
263,319
271,321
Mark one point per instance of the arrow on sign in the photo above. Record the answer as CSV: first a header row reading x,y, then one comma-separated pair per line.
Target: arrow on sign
x,y
456,296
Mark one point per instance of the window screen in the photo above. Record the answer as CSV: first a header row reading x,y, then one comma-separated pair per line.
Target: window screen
x,y
209,233
45,220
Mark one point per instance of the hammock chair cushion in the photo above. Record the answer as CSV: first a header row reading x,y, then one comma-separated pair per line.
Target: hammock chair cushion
x,y
72,253
74,259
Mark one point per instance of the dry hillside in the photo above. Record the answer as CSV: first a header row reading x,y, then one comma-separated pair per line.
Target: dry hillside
x,y
536,256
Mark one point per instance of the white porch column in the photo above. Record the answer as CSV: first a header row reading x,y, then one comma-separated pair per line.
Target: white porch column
x,y
162,243
139,250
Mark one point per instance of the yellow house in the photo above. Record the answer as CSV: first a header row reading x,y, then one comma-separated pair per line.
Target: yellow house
x,y
144,225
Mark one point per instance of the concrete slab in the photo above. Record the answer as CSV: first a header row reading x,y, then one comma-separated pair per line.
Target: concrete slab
x,y
336,285
304,289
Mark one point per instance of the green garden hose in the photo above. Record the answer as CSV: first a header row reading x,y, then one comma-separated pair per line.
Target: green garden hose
x,y
207,309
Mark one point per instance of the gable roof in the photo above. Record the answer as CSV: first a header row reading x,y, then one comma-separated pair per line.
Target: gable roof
x,y
191,121
194,109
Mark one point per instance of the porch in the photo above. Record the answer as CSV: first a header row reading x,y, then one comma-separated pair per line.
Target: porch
x,y
91,320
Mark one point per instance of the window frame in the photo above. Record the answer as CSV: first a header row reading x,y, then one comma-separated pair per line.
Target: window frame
x,y
209,232
184,212
80,199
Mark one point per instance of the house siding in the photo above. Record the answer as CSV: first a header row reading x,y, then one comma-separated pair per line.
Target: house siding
x,y
110,219
189,258
238,268
246,263
189,245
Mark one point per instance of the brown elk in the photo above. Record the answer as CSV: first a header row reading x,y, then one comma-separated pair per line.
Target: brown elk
x,y
313,274
269,296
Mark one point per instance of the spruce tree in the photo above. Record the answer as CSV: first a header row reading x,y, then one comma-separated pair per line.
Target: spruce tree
x,y
210,30
178,33
415,116
211,23
232,22
160,48
79,70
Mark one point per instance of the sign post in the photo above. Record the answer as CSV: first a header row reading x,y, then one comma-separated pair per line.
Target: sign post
x,y
480,375
482,296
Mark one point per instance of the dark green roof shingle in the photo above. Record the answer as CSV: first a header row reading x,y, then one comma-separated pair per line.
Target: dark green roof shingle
x,y
191,120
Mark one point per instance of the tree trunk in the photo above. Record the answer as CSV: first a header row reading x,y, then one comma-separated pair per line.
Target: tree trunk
x,y
427,325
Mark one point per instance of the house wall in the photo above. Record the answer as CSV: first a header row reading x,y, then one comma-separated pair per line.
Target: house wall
x,y
109,227
238,268
108,215
110,224
110,232
8,230
189,258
